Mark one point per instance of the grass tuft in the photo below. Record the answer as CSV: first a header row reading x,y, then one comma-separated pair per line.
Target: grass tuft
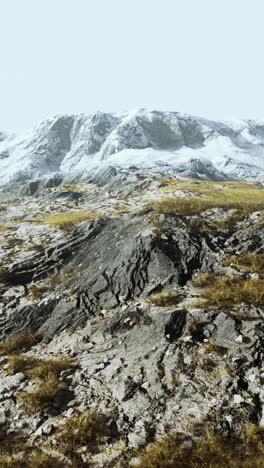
x,y
66,220
228,291
4,228
58,278
85,429
21,363
44,394
21,342
163,299
35,292
15,453
211,348
250,262
209,451
46,373
50,366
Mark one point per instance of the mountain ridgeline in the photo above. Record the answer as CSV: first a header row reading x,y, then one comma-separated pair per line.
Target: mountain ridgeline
x,y
77,148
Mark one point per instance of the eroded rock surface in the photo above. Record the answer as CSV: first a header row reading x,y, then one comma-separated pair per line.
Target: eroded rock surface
x,y
148,369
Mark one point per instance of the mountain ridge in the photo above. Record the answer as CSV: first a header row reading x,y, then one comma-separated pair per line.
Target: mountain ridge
x,y
76,146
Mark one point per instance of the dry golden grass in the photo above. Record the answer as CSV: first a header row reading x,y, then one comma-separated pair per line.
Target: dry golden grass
x,y
250,262
4,228
196,327
50,366
71,188
209,451
163,299
46,374
121,209
21,363
11,450
15,453
45,393
85,429
198,204
35,292
36,368
4,274
21,342
225,190
211,348
67,219
244,197
204,279
58,278
226,224
38,459
227,291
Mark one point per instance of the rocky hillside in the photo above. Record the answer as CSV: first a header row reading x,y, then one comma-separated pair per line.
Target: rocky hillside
x,y
132,317
81,147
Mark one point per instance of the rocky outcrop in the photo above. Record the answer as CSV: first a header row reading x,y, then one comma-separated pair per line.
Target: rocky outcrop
x,y
113,261
148,369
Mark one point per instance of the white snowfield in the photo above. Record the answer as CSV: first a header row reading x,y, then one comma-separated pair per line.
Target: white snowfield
x,y
79,145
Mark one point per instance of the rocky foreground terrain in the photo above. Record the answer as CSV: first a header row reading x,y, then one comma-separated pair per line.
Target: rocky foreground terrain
x,y
130,313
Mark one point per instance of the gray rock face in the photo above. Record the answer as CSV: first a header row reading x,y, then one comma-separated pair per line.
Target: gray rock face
x,y
155,370
114,261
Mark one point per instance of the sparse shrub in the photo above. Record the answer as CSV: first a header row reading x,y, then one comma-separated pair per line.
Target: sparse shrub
x,y
163,299
87,428
21,342
228,291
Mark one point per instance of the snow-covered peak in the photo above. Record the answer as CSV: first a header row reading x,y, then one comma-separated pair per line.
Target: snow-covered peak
x,y
80,144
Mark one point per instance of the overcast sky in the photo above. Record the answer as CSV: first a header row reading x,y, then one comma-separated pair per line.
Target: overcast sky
x,y
203,57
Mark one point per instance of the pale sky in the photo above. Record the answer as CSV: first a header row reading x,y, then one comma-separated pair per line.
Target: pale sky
x,y
203,57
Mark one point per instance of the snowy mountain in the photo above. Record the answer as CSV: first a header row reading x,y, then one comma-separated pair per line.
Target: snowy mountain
x,y
77,146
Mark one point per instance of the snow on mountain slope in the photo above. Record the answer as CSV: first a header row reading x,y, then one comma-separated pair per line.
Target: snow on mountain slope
x,y
79,145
